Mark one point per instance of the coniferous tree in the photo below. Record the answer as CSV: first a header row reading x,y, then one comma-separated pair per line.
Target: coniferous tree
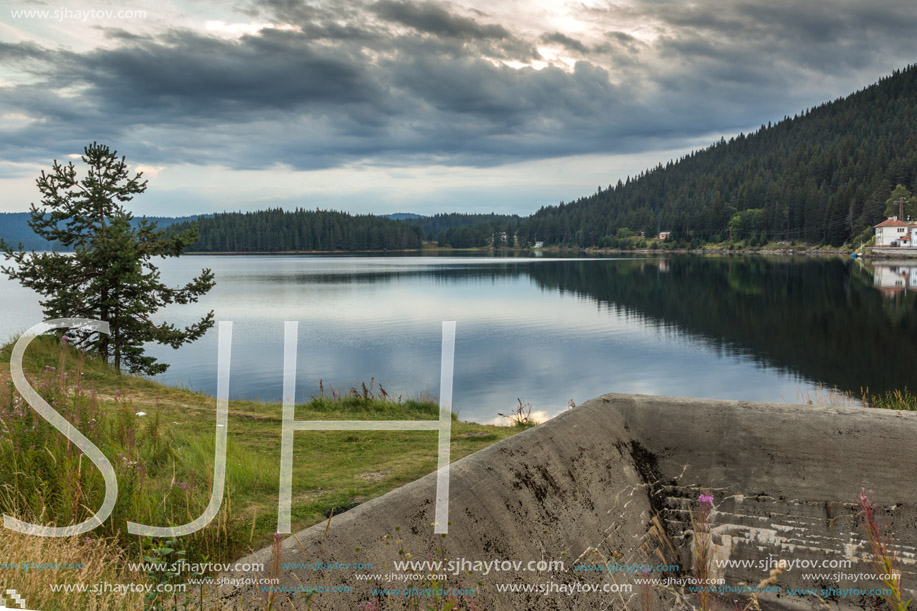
x,y
110,275
901,204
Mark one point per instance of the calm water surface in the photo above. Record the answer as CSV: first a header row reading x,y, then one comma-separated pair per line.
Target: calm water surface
x,y
544,330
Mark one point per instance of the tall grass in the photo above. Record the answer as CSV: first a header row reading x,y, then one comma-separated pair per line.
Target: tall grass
x,y
899,399
45,479
89,560
902,399
161,443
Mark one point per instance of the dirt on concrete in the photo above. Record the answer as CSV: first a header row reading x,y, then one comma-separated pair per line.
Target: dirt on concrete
x,y
614,481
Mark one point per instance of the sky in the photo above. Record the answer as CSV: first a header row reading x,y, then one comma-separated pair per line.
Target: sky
x,y
414,106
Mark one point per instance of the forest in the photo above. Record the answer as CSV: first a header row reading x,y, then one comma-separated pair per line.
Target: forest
x,y
820,177
468,230
276,230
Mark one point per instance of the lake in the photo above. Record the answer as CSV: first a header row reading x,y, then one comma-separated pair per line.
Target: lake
x,y
544,330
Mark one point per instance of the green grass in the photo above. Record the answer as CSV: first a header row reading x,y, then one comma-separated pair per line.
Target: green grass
x,y
164,460
903,400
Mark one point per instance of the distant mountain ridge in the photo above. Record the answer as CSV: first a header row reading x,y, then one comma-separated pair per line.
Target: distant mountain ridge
x,y
15,230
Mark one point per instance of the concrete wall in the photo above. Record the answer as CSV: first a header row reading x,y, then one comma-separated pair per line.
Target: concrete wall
x,y
586,486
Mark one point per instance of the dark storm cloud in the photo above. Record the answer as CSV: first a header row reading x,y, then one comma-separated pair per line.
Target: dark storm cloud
x,y
566,41
200,76
21,52
823,36
432,18
401,82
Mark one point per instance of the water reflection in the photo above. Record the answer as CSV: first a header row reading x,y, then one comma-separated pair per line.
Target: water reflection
x,y
546,330
894,278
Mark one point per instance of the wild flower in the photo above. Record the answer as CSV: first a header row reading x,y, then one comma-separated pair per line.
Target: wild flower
x,y
703,548
883,555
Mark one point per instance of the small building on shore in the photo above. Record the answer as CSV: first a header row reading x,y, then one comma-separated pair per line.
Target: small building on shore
x,y
896,234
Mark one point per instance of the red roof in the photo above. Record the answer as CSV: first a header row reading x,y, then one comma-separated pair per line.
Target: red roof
x,y
892,223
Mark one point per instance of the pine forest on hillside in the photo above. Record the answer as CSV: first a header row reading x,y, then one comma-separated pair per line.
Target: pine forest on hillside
x,y
821,177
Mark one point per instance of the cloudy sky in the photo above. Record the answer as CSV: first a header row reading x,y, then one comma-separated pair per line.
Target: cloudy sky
x,y
409,105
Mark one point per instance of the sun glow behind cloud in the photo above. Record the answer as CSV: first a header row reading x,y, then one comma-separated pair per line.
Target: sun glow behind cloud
x,y
239,29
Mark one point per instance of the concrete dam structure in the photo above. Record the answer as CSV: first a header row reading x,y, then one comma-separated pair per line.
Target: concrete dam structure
x,y
614,481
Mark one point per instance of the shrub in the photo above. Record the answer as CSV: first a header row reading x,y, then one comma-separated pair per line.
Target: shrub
x,y
521,415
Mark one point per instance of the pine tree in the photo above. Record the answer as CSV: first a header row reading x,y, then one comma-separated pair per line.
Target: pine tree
x,y
109,276
901,204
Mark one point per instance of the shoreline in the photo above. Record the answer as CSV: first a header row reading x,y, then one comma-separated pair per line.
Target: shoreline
x,y
814,251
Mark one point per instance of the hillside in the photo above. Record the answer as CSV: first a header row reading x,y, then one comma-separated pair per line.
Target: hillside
x,y
818,177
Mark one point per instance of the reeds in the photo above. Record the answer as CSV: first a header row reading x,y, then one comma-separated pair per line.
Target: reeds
x,y
902,400
828,397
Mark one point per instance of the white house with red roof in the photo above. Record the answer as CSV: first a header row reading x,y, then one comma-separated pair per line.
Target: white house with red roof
x,y
895,233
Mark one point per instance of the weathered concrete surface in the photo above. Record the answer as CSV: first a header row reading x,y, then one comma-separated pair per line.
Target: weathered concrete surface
x,y
584,489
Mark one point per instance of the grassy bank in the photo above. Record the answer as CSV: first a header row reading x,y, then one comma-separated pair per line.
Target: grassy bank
x,y
161,441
